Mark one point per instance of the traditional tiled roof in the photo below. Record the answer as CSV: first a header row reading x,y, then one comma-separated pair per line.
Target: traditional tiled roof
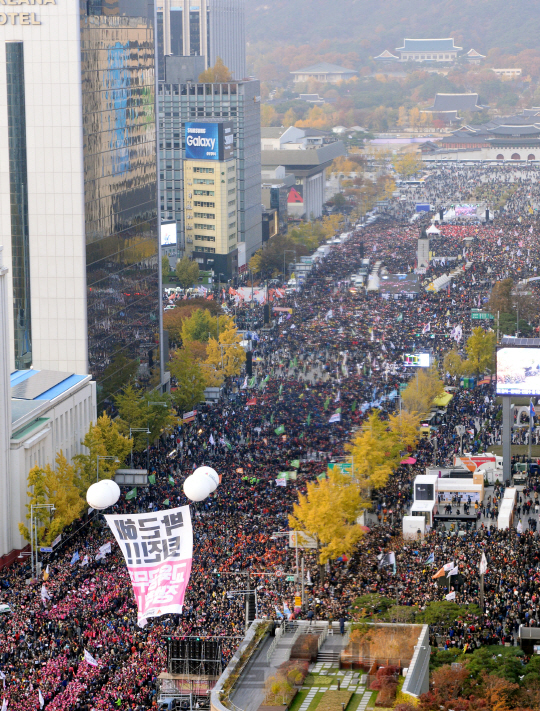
x,y
473,54
386,55
428,45
456,102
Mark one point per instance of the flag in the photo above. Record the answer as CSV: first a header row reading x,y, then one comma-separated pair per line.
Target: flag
x,y
85,561
335,418
448,566
41,699
454,571
90,659
166,502
451,596
171,480
399,317
281,482
322,476
5,701
151,478
326,403
212,440
353,407
253,381
295,463
532,413
483,564
280,389
253,401
75,558
426,328
189,416
168,570
519,527
287,611
439,574
272,419
46,574
387,559
131,494
336,399
430,559
280,430
45,593
309,419
278,612
244,384
105,548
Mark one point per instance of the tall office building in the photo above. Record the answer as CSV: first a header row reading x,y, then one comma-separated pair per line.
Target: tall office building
x,y
78,176
238,102
206,28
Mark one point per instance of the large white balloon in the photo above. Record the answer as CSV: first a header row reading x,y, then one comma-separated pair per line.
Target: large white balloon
x,y
197,488
210,474
103,494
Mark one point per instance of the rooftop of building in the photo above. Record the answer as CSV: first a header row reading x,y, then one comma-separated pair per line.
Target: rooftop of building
x,y
324,68
456,102
473,53
386,55
33,390
428,45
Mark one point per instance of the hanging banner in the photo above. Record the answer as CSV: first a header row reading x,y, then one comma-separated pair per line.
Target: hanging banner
x,y
158,550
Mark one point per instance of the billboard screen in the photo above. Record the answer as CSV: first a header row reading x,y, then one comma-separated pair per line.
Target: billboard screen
x,y
168,234
209,141
465,210
518,371
417,360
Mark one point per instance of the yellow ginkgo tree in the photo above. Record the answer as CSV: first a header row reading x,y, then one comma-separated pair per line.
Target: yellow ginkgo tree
x,y
226,354
328,513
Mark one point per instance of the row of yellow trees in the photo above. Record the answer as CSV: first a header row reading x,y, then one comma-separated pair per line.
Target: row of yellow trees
x,y
329,510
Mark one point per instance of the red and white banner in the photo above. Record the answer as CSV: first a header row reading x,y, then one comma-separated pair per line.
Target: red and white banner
x,y
158,550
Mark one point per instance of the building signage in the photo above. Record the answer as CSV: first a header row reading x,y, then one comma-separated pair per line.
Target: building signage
x,y
21,18
209,141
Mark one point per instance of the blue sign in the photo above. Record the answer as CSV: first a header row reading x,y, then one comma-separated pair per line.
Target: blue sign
x,y
202,141
209,141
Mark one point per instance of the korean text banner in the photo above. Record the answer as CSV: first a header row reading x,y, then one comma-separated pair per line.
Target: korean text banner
x,y
158,549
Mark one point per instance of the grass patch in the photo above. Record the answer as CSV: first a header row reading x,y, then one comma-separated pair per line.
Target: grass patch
x,y
298,700
333,700
322,680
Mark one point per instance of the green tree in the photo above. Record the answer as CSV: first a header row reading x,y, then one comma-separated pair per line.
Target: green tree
x,y
189,378
165,268
200,326
104,439
187,272
444,612
480,351
144,410
120,372
56,486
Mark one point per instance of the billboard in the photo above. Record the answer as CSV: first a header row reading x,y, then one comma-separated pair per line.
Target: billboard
x,y
417,360
518,371
465,210
168,234
209,141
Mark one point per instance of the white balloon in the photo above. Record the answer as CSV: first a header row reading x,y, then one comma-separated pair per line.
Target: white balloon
x,y
197,488
210,474
103,494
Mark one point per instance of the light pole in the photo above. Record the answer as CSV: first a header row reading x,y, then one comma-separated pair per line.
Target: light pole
x,y
292,251
97,464
138,429
33,534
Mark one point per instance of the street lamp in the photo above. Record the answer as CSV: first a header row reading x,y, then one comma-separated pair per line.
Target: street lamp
x,y
138,429
97,465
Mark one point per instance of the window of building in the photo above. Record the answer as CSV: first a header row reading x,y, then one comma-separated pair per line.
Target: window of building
x,y
516,156
231,180
204,215
202,181
531,156
203,226
211,250
230,169
203,170
209,193
232,191
233,236
232,202
199,203
205,238
231,225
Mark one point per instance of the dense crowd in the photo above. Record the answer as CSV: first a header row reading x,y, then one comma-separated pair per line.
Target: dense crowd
x,y
339,349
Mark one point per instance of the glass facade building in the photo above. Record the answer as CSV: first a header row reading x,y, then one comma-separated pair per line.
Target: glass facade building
x,y
120,190
18,188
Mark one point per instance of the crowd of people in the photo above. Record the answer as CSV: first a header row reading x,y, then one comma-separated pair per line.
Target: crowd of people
x,y
340,351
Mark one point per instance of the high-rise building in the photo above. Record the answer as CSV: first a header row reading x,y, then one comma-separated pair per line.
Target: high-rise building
x,y
206,28
238,102
78,204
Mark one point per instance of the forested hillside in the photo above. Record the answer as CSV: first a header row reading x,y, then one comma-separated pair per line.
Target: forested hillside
x,y
372,25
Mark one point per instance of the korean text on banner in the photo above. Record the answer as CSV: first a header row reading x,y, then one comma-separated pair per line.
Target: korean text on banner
x,y
158,549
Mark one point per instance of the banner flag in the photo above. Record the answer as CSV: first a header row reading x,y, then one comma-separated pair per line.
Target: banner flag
x,y
483,564
451,596
90,659
158,550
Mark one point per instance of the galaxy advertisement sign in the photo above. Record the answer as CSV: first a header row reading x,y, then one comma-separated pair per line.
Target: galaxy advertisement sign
x,y
209,141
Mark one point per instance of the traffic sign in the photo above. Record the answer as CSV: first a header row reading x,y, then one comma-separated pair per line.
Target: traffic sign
x,y
481,315
279,573
290,578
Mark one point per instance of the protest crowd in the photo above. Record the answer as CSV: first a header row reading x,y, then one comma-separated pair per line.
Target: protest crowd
x,y
339,349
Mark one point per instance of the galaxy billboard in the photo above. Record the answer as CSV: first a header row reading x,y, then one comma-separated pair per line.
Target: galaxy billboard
x,y
518,371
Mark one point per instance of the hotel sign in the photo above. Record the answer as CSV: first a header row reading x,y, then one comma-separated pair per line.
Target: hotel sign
x,y
21,18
